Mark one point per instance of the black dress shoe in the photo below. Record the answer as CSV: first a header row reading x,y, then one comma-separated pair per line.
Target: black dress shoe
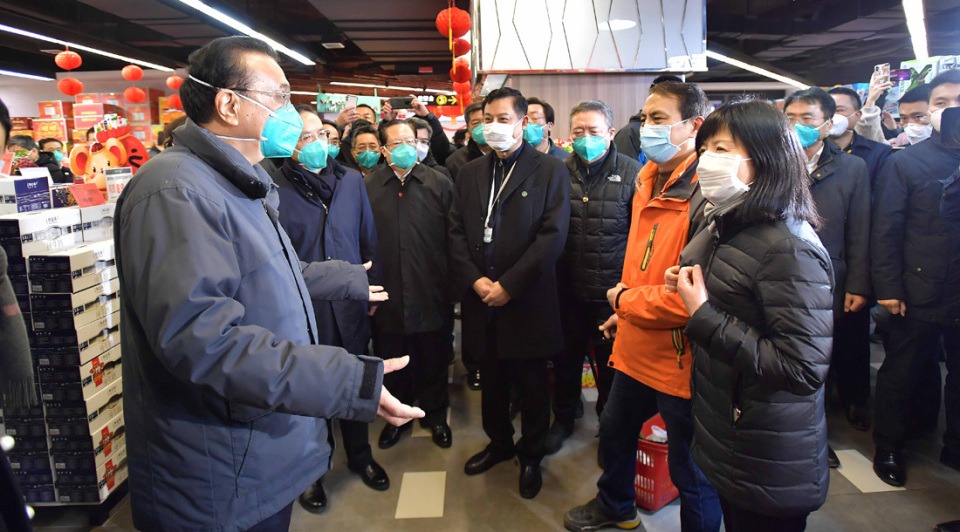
x,y
858,417
889,466
473,380
578,410
373,476
314,500
832,459
949,526
441,435
558,433
484,460
390,435
530,480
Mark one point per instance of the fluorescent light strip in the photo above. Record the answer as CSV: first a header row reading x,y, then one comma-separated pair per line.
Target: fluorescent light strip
x,y
393,88
756,70
243,28
913,9
304,93
31,35
22,75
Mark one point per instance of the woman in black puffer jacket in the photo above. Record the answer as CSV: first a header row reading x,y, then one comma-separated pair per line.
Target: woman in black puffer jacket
x,y
758,286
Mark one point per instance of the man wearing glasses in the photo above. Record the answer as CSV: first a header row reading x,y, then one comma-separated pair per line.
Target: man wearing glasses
x,y
410,203
227,389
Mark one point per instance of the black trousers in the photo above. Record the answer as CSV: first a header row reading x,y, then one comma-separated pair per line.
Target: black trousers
x,y
912,346
580,323
278,522
424,380
530,377
850,363
739,519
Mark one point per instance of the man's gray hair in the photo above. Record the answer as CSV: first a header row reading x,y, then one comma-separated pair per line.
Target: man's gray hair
x,y
594,105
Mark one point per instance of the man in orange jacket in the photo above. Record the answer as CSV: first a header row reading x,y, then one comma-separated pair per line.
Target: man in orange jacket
x,y
650,353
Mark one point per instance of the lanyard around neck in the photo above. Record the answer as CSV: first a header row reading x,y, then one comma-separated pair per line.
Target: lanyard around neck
x,y
495,199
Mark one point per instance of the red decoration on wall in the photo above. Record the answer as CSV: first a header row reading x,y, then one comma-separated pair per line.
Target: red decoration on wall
x,y
132,73
453,22
174,102
461,47
460,72
174,82
70,86
68,60
135,95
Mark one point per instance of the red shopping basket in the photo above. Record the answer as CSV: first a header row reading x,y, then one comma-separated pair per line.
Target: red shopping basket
x,y
654,487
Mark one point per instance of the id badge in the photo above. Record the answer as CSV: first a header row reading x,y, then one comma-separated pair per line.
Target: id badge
x,y
487,235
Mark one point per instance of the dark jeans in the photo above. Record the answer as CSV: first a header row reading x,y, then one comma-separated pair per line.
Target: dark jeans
x,y
739,519
850,363
580,322
277,522
912,346
632,403
424,380
530,378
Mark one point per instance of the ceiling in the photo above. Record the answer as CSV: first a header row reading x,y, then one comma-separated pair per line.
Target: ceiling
x,y
395,42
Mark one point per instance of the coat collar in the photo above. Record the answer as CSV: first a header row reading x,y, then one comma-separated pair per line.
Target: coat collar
x,y
526,164
384,175
827,165
576,165
251,179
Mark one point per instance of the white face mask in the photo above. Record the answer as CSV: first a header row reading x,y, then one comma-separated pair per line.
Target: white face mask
x,y
422,152
717,174
840,125
917,132
500,136
935,117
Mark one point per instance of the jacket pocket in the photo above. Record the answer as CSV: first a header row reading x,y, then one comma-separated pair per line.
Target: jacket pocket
x,y
677,337
648,252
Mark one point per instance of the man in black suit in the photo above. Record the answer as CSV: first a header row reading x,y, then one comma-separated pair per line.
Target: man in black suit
x,y
508,228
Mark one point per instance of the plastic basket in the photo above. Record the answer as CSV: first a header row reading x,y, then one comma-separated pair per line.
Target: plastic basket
x,y
654,487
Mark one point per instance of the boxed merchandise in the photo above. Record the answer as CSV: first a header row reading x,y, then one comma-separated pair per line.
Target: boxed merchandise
x,y
75,419
24,234
113,476
24,194
81,308
65,384
55,109
48,356
79,339
72,269
87,97
20,123
140,114
87,115
100,443
42,493
82,469
56,128
112,98
143,133
61,195
97,222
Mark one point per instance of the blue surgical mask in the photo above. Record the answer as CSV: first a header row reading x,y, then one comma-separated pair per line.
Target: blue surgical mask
x,y
477,135
368,159
313,156
590,147
57,156
334,151
533,133
655,142
809,135
403,156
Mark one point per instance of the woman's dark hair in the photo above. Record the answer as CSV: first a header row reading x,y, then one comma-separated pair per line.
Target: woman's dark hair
x,y
5,122
219,63
780,189
460,137
168,131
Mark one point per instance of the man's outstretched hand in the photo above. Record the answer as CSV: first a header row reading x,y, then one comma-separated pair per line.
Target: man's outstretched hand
x,y
391,409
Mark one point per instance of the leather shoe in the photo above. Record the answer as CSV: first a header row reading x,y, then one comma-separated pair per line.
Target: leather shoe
x,y
832,459
859,417
530,480
373,476
441,435
889,466
949,526
314,500
473,380
558,433
390,435
484,460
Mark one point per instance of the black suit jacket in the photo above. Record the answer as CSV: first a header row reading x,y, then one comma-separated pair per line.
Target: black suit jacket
x,y
530,234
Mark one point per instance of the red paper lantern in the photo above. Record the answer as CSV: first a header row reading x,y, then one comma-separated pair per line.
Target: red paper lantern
x,y
461,47
135,95
461,88
174,82
68,60
460,72
464,98
453,19
174,102
132,73
70,86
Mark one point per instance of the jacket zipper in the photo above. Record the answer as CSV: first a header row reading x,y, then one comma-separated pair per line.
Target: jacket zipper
x,y
649,251
677,335
286,256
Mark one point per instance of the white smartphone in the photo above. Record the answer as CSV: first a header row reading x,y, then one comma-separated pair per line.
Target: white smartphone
x,y
351,101
882,72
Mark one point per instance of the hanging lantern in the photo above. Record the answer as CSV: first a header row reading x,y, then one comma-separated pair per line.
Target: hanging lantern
x,y
461,88
461,47
68,60
174,102
174,82
453,22
460,72
70,86
135,95
132,73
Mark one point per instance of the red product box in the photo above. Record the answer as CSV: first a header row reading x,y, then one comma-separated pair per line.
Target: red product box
x,y
112,98
21,123
140,114
55,109
52,128
85,115
87,97
143,132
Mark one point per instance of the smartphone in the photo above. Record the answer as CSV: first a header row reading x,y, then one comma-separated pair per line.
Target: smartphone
x,y
882,72
900,75
351,101
401,103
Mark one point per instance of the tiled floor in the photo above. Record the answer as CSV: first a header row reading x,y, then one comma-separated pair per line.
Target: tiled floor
x,y
419,471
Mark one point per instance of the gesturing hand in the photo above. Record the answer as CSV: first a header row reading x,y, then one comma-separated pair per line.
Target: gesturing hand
x,y
609,327
418,107
377,294
347,116
391,409
692,288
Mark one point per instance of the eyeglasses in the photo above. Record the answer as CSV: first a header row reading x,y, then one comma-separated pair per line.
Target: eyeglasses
x,y
279,97
310,136
397,143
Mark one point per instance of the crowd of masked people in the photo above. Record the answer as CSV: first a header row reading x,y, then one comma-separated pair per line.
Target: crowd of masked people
x,y
722,282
